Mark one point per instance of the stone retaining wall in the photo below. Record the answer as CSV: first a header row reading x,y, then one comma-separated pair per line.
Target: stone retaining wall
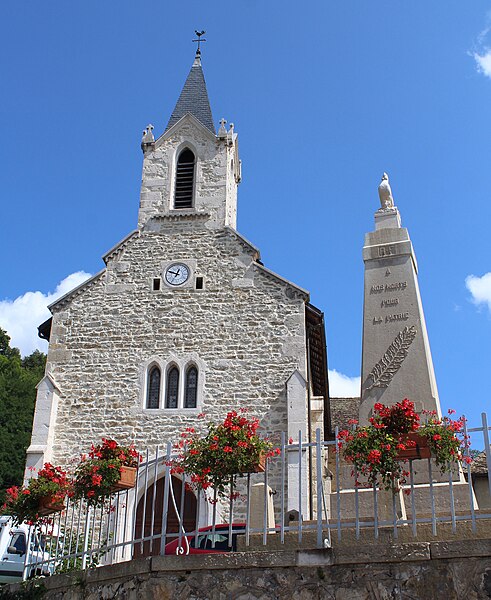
x,y
455,570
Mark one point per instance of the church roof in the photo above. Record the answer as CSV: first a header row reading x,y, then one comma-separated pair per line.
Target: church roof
x,y
479,465
194,99
316,344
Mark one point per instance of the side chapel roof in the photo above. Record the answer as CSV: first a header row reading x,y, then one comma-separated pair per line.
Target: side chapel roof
x,y
194,99
479,465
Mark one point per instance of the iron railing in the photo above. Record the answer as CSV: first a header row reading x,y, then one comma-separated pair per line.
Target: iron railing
x,y
162,509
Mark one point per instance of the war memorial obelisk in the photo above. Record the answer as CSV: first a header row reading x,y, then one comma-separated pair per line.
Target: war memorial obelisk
x,y
396,364
396,357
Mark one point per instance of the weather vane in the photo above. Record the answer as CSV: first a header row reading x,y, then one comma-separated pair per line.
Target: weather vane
x,y
199,40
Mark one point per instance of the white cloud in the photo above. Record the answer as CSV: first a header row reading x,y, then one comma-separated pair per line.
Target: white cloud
x,y
342,386
480,288
483,62
482,54
21,317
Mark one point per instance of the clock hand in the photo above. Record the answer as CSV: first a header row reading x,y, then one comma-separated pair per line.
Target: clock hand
x,y
173,273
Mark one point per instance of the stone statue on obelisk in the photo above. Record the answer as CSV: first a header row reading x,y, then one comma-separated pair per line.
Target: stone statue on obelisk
x,y
396,357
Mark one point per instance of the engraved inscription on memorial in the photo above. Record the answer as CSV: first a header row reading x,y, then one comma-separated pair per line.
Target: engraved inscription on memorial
x,y
376,289
399,317
395,287
388,287
383,372
389,302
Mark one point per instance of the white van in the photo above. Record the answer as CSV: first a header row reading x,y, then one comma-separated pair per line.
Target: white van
x,y
5,527
22,545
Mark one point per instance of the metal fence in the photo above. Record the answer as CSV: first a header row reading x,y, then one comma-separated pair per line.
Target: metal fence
x,y
306,496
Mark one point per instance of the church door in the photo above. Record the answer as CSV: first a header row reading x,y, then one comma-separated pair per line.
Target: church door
x,y
152,547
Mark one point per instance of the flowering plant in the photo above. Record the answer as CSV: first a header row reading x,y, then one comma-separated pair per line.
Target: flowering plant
x,y
226,450
23,503
373,453
374,449
99,472
443,438
397,419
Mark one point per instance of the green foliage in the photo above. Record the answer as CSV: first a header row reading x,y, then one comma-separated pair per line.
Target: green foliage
x,y
30,590
74,545
474,453
18,380
5,349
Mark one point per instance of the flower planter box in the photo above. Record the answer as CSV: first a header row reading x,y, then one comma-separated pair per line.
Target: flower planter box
x,y
420,450
127,479
260,467
49,505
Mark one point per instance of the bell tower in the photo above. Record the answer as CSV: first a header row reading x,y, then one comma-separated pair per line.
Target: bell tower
x,y
190,170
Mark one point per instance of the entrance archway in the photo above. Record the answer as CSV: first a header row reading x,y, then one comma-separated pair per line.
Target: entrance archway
x,y
152,547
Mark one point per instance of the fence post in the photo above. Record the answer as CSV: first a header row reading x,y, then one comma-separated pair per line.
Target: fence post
x,y
487,449
165,508
300,516
86,537
283,491
318,457
469,478
338,488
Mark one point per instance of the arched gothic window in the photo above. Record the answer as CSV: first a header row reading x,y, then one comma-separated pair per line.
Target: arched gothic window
x,y
153,388
183,195
172,388
191,387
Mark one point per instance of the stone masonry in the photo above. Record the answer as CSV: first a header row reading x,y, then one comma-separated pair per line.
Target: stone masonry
x,y
458,570
245,327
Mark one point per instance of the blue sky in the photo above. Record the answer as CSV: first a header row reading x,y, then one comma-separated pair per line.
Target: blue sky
x,y
325,96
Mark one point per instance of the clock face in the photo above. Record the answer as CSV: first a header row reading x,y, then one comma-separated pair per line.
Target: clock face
x,y
177,274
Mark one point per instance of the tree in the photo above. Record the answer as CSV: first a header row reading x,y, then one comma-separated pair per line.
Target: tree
x,y
18,380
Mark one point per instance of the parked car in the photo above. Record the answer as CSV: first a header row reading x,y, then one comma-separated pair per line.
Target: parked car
x,y
19,546
208,542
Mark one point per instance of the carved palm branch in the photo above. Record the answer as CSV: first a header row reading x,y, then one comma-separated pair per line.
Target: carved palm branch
x,y
383,372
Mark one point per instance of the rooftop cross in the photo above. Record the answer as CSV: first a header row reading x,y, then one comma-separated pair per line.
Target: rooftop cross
x,y
199,40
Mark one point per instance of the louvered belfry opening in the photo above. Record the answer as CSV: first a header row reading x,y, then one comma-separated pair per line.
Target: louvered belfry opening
x,y
183,197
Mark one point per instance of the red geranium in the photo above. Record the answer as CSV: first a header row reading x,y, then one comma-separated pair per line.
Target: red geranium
x,y
97,473
227,449
373,449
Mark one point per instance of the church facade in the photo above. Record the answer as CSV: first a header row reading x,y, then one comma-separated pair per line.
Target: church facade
x,y
184,318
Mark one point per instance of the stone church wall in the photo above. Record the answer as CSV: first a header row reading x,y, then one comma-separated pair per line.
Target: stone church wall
x,y
244,330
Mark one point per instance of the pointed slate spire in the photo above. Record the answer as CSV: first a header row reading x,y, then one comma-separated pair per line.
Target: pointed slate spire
x,y
194,99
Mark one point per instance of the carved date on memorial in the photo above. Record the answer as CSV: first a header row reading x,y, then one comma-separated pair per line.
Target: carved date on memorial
x,y
387,250
383,372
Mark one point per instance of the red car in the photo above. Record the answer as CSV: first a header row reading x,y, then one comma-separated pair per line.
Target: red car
x,y
205,540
